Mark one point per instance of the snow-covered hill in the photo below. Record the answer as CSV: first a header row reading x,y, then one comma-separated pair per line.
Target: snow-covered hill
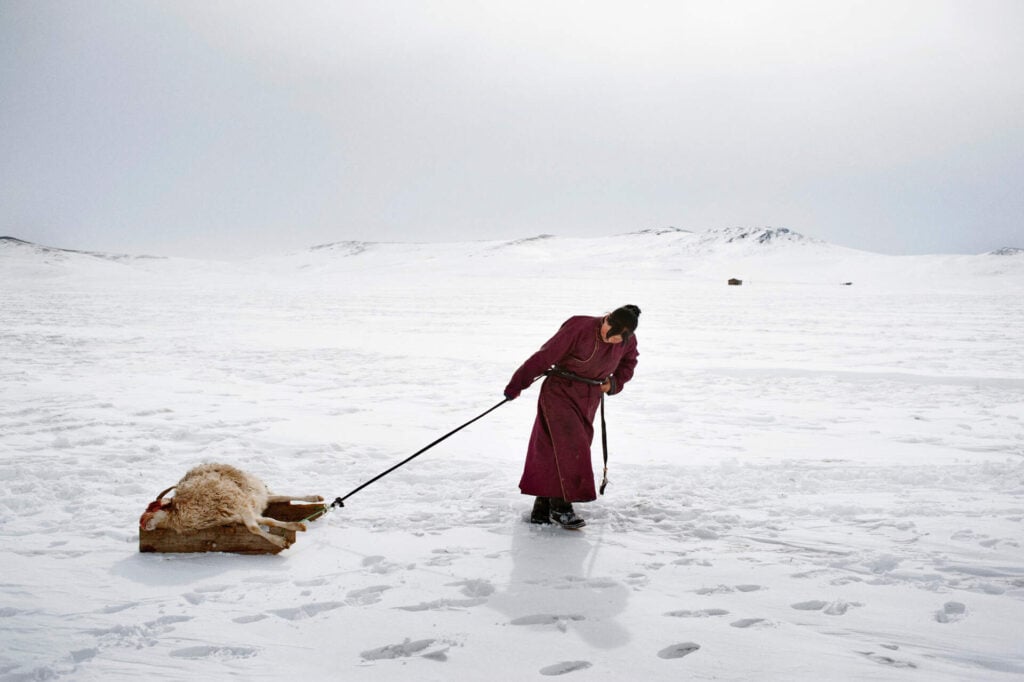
x,y
54,254
754,255
23,260
656,249
757,256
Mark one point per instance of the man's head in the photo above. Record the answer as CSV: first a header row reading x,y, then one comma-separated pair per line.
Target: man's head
x,y
620,324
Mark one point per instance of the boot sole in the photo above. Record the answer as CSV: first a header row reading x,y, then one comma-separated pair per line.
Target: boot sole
x,y
575,525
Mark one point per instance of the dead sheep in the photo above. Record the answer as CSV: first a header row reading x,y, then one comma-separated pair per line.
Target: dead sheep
x,y
217,495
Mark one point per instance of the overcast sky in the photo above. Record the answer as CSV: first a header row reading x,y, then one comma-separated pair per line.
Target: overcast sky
x,y
231,129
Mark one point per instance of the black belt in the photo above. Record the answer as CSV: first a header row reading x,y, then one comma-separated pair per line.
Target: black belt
x,y
566,374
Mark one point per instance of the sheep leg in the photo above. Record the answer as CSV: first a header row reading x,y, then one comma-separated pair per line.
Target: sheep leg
x,y
288,525
295,498
252,523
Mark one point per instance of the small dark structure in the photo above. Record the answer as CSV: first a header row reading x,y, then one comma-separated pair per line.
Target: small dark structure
x,y
847,284
735,282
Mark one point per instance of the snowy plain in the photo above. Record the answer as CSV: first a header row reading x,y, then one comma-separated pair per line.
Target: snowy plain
x,y
809,480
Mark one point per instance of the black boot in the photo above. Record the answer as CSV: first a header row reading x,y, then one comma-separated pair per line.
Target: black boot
x,y
562,513
541,511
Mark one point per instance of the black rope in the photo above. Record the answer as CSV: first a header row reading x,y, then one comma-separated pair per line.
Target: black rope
x,y
340,501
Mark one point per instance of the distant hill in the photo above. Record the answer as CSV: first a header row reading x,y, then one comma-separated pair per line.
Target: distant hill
x,y
756,255
15,243
652,249
643,245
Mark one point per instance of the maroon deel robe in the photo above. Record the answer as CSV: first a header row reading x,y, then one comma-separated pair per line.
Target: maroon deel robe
x,y
558,459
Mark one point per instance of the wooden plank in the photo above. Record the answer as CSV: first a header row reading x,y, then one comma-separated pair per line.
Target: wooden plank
x,y
235,538
295,511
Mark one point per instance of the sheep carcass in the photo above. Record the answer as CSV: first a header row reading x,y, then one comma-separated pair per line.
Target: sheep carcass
x,y
217,495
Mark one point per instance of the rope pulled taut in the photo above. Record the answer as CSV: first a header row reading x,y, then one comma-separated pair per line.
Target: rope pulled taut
x,y
340,501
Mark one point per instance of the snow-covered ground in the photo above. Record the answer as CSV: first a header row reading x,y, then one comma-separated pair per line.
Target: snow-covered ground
x,y
808,480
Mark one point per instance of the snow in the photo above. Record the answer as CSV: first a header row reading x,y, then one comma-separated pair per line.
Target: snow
x,y
808,480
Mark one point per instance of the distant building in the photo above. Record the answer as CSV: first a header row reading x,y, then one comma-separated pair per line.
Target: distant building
x,y
735,282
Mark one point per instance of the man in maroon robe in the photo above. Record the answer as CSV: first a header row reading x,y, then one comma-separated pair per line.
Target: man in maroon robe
x,y
589,356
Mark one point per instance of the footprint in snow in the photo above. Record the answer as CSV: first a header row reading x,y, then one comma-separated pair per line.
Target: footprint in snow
x,y
542,619
839,608
746,622
307,610
474,588
565,667
243,620
366,596
445,556
169,620
951,612
217,652
836,608
720,589
379,564
703,613
678,650
421,647
445,604
637,580
560,622
886,660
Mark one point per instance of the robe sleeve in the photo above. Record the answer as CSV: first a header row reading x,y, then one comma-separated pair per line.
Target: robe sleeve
x,y
549,354
624,372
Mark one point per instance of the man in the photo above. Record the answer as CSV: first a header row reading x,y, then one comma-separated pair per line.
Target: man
x,y
586,358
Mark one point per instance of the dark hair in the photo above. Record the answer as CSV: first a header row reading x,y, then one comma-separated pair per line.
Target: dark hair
x,y
624,321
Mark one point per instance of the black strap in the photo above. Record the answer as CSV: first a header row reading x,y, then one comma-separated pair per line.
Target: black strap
x,y
566,374
604,447
340,501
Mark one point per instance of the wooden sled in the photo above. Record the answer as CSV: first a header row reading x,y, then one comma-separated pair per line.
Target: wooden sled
x,y
234,538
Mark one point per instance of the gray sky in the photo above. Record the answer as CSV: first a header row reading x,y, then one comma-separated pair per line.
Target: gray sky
x,y
230,129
